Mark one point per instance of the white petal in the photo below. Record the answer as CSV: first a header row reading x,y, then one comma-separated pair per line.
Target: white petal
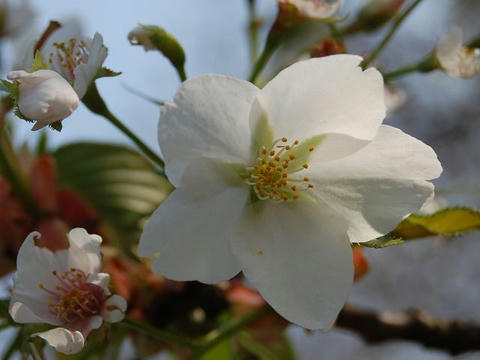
x,y
191,228
85,73
332,146
44,96
373,207
317,9
100,279
328,95
115,309
392,154
449,47
20,313
209,118
299,258
378,186
85,250
34,267
63,340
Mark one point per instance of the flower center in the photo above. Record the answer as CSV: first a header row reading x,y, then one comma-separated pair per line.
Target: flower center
x,y
68,56
275,173
74,299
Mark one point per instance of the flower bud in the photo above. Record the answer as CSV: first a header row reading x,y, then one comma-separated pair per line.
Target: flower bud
x,y
44,96
456,59
309,9
326,47
293,12
152,37
374,15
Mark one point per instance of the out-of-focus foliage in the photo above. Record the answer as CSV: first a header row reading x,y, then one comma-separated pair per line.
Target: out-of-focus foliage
x,y
118,182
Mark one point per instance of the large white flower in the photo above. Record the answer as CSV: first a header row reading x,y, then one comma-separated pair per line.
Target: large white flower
x,y
315,9
276,182
456,59
44,96
76,57
65,289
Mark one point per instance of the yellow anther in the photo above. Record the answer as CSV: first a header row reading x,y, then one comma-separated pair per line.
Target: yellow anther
x,y
288,147
291,157
310,186
295,197
295,142
272,153
294,188
284,139
311,149
305,166
306,179
277,158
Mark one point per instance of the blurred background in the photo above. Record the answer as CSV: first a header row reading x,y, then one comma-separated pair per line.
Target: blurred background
x,y
438,275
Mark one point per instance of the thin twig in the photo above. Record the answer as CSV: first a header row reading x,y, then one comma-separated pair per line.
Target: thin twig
x,y
396,24
452,336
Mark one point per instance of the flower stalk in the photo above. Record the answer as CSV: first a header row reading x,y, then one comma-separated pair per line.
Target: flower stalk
x,y
217,336
96,104
427,64
396,25
34,351
18,183
158,334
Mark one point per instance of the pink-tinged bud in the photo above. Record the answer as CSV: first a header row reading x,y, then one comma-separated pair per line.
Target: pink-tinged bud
x,y
292,11
44,96
374,15
326,47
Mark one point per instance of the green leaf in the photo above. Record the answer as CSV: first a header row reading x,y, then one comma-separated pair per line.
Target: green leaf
x,y
106,72
12,89
222,351
38,62
118,182
447,222
57,125
279,349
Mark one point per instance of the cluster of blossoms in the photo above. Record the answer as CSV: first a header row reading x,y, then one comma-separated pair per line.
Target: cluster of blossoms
x,y
57,71
275,182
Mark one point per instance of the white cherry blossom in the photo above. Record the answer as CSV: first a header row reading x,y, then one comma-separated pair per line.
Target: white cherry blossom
x,y
65,289
455,58
44,96
73,55
276,182
315,9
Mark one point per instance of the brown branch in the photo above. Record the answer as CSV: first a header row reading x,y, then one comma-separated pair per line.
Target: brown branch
x,y
452,336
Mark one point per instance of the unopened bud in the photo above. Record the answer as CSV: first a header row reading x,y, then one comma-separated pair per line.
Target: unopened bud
x,y
374,15
326,47
43,96
152,37
293,11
